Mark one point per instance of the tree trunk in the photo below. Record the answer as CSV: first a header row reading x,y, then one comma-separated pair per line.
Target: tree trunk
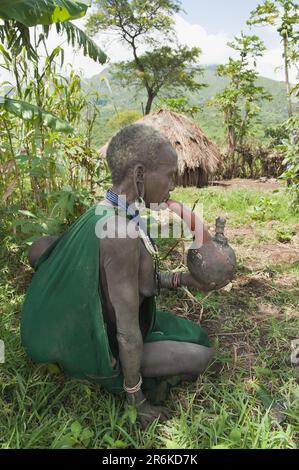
x,y
231,137
150,99
286,70
231,141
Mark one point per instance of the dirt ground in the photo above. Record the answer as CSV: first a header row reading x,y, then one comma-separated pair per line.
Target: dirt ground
x,y
270,254
261,184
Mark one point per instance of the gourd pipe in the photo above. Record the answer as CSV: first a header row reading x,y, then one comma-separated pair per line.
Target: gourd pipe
x,y
210,259
195,225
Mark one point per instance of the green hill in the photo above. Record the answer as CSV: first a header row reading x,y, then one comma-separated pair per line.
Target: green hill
x,y
118,98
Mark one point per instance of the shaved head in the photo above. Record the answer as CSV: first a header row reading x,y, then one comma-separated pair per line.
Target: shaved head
x,y
134,144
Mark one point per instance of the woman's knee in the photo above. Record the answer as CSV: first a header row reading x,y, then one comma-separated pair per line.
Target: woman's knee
x,y
202,358
210,355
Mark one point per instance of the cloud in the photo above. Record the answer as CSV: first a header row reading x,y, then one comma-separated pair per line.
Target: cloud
x,y
271,64
214,46
214,49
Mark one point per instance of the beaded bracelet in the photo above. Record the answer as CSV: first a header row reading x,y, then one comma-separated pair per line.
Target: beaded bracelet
x,y
176,280
170,279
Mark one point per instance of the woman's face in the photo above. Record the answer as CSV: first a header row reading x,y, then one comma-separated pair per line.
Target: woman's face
x,y
160,181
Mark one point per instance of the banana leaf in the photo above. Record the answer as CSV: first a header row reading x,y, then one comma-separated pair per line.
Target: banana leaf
x,y
34,12
76,36
30,112
18,36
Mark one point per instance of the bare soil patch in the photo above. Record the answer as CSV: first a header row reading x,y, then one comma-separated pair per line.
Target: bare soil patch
x,y
262,184
268,254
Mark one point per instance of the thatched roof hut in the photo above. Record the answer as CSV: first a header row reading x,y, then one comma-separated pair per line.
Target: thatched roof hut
x,y
199,158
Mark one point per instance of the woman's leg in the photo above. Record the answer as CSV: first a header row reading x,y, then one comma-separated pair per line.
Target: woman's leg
x,y
167,358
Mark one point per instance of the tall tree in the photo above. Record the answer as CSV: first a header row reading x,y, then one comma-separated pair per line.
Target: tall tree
x,y
162,69
284,14
138,22
239,100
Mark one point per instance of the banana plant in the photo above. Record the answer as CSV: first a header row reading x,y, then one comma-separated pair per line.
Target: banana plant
x,y
20,15
36,115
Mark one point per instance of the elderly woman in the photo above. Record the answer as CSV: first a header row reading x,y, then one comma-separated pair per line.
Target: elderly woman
x,y
91,304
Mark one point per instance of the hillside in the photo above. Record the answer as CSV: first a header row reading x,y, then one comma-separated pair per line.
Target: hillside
x,y
210,120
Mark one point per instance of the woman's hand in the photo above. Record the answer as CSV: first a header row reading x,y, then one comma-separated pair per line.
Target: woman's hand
x,y
189,281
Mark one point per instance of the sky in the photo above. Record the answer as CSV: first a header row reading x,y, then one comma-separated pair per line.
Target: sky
x,y
205,24
218,16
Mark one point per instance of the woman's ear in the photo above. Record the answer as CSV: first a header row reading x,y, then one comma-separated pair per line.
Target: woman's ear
x,y
139,176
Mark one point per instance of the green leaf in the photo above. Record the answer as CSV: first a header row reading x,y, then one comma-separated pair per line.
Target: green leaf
x,y
86,390
28,111
260,371
86,435
30,240
120,444
235,435
108,439
276,411
132,414
76,429
67,442
33,12
29,227
264,396
21,211
22,159
6,55
53,369
172,444
221,446
75,36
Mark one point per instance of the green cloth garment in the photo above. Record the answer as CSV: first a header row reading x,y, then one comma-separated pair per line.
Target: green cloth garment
x,y
62,318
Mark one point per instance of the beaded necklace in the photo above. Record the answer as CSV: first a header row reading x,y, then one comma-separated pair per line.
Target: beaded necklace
x,y
148,242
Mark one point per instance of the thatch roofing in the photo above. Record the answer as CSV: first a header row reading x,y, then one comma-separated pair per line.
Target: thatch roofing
x,y
275,154
194,149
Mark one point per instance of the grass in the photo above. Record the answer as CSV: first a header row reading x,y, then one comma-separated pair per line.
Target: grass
x,y
239,205
248,398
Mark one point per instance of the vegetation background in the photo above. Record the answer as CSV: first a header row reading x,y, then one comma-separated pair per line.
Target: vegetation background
x,y
119,106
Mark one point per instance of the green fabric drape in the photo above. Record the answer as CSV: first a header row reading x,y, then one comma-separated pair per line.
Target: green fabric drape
x,y
62,319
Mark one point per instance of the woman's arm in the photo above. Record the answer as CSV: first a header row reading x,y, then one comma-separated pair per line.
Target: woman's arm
x,y
174,280
120,257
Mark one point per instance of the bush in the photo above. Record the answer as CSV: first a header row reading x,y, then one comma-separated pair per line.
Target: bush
x,y
290,149
277,134
253,161
124,118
